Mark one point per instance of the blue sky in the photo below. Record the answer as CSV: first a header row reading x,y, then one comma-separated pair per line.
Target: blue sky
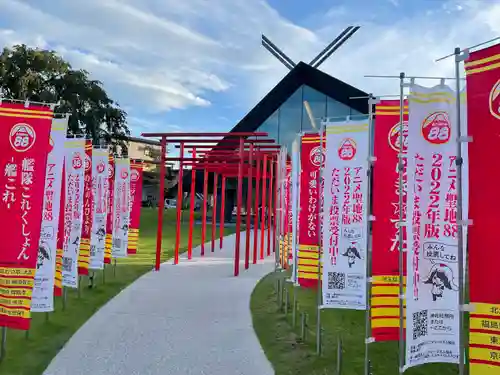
x,y
199,65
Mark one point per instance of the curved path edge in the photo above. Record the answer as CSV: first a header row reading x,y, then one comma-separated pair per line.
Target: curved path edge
x,y
190,318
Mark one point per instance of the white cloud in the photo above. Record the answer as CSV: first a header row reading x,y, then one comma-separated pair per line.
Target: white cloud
x,y
160,56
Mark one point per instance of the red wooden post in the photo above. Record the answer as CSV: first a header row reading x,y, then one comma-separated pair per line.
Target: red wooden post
x,y
249,205
214,210
239,203
263,213
161,203
270,206
179,206
276,182
223,209
256,210
191,208
204,216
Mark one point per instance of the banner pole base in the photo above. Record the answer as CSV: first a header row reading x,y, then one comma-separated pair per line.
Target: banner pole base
x,y
64,299
3,345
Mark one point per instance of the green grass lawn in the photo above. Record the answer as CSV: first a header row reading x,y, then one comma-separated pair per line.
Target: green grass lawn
x,y
31,355
291,356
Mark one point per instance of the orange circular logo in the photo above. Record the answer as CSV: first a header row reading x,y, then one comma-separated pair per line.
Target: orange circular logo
x,y
134,175
77,161
495,100
88,163
124,174
111,171
100,167
22,137
317,156
394,137
436,128
347,149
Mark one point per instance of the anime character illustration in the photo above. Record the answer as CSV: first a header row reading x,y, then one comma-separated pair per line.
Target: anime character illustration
x,y
43,254
101,233
125,229
352,253
75,242
441,277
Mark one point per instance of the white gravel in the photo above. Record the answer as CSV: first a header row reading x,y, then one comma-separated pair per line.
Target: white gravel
x,y
191,318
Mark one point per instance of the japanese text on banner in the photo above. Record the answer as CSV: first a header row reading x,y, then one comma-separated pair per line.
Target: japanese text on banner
x,y
432,332
344,243
25,146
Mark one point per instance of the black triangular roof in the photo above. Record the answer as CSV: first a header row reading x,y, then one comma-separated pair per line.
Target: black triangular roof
x,y
302,74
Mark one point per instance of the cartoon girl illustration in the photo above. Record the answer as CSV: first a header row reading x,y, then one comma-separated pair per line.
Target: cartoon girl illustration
x,y
441,277
125,228
352,253
101,233
43,253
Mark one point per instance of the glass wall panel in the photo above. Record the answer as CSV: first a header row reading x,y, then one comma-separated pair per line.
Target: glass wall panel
x,y
290,118
336,110
317,102
271,126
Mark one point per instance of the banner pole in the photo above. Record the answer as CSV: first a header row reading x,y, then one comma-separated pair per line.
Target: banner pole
x,y
401,225
277,206
297,239
370,218
3,346
65,297
459,57
275,210
320,231
79,290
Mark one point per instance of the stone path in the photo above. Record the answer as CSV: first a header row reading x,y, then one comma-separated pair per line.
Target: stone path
x,y
190,318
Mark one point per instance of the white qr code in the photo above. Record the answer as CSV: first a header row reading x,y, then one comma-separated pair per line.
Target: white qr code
x,y
117,243
67,264
336,280
420,324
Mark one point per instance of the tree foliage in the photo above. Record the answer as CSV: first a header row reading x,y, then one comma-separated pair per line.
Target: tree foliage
x,y
43,76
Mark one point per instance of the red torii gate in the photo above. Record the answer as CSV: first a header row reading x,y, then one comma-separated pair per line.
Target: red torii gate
x,y
211,159
222,168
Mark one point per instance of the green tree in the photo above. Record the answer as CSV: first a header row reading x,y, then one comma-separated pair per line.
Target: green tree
x,y
43,76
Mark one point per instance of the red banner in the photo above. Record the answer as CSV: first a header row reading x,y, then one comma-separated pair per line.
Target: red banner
x,y
483,104
309,230
25,146
109,221
385,230
135,205
60,238
84,253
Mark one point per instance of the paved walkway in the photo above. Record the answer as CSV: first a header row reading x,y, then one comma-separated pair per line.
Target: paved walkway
x,y
192,318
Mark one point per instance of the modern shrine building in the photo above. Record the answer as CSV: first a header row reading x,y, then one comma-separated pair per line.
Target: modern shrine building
x,y
282,114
